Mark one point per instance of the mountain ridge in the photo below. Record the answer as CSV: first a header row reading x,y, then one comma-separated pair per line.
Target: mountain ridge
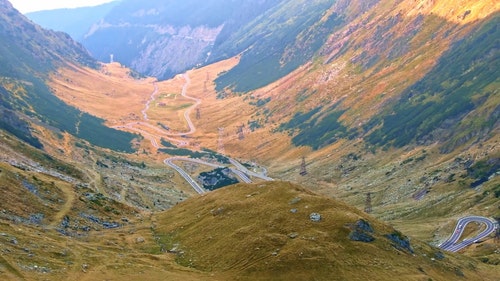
x,y
73,21
28,58
162,32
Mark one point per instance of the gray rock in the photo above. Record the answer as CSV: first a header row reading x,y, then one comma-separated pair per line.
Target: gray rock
x,y
174,249
293,211
361,232
218,211
360,236
315,217
439,256
364,226
400,241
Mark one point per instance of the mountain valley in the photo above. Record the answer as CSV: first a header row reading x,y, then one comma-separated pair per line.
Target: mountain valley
x,y
381,117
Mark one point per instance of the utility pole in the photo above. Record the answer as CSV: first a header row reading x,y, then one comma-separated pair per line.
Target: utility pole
x,y
198,114
303,170
240,133
368,203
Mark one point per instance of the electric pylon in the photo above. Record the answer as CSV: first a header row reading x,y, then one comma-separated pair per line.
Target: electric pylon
x,y
303,170
368,203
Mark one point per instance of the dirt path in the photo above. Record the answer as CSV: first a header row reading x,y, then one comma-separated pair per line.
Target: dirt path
x,y
70,196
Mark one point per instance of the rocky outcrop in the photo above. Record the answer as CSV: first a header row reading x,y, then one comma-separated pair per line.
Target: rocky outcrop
x,y
164,38
160,50
176,50
361,231
400,242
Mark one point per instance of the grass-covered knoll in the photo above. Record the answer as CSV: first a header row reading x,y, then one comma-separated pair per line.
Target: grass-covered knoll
x,y
264,232
455,102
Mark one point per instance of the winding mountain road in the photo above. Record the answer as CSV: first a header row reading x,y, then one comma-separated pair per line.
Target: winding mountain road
x,y
169,162
192,128
151,99
155,134
452,244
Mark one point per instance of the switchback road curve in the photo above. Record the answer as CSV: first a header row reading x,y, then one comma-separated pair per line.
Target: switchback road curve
x,y
155,134
452,244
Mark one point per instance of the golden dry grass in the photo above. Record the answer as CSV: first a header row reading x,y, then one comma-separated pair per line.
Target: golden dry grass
x,y
245,230
109,93
113,95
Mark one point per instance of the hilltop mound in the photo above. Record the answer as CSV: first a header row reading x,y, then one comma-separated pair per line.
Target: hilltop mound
x,y
281,231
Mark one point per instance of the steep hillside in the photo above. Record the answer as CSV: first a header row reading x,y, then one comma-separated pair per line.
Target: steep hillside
x,y
29,54
161,39
384,75
28,48
278,42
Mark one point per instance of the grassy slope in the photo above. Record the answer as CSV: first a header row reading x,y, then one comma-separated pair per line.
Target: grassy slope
x,y
244,225
52,198
30,53
245,230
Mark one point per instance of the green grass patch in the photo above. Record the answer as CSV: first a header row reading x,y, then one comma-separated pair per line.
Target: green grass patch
x,y
458,85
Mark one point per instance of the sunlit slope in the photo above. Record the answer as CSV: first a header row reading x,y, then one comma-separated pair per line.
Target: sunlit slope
x,y
28,54
265,232
110,92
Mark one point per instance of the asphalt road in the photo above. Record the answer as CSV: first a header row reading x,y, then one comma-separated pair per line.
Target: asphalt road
x,y
241,174
154,134
243,169
185,175
452,244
